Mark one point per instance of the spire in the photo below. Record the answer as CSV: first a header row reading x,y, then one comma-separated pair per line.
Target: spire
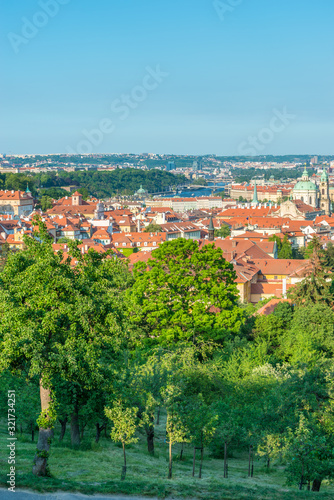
x,y
211,230
255,200
305,176
28,190
324,176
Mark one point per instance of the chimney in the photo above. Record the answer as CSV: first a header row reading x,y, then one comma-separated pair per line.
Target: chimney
x,y
234,244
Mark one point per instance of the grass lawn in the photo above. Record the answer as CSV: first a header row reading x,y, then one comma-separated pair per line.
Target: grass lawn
x,y
96,468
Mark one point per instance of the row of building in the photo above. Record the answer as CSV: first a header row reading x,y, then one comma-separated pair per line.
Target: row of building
x,y
135,230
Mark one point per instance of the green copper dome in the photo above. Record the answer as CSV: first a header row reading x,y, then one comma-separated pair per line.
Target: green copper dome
x,y
141,190
305,186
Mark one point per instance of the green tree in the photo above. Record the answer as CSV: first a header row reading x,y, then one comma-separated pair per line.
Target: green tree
x,y
46,203
57,319
187,293
175,429
153,228
316,285
314,248
201,420
309,454
125,422
311,334
223,232
284,249
285,252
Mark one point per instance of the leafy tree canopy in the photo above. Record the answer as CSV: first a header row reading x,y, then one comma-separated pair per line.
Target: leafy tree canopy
x,y
187,293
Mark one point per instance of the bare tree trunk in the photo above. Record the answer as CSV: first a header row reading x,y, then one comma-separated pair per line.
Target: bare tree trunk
x,y
124,466
181,452
150,435
105,431
201,464
63,428
99,429
250,461
32,432
82,430
268,462
316,485
170,472
194,461
40,467
225,460
75,431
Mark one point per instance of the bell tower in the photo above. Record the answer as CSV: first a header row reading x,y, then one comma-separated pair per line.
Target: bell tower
x,y
324,202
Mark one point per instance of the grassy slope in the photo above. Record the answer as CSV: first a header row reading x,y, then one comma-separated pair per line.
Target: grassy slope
x,y
96,469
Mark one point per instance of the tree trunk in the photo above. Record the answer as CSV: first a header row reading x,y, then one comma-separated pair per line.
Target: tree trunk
x,y
105,430
32,433
75,431
194,461
21,430
201,464
150,435
82,429
250,461
181,453
99,429
316,485
225,460
170,472
124,466
63,428
158,416
40,467
268,462
301,483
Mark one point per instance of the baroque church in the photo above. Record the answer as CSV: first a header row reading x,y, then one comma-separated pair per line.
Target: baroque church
x,y
309,193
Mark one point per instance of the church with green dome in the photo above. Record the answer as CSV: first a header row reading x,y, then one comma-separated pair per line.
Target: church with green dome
x,y
306,191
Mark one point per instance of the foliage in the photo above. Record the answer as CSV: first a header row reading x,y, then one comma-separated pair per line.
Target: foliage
x,y
125,423
223,232
187,293
153,228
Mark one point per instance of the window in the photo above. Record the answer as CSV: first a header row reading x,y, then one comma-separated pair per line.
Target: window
x,y
138,244
154,243
323,191
145,243
116,244
124,244
275,277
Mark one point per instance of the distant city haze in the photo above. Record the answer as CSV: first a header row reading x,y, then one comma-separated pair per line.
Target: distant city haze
x,y
192,77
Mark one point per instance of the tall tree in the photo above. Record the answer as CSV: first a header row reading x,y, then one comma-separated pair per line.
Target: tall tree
x,y
186,293
59,319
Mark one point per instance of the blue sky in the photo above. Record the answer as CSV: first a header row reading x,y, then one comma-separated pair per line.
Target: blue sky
x,y
229,74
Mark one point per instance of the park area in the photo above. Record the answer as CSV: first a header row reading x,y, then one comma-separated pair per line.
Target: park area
x,y
95,468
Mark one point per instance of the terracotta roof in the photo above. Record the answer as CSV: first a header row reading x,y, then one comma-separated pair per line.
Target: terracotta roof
x,y
235,248
270,307
139,257
278,267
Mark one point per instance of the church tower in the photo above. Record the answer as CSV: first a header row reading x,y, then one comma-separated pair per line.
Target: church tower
x,y
255,201
211,230
325,202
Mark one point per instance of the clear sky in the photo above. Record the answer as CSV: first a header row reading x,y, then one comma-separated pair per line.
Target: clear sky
x,y
224,73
